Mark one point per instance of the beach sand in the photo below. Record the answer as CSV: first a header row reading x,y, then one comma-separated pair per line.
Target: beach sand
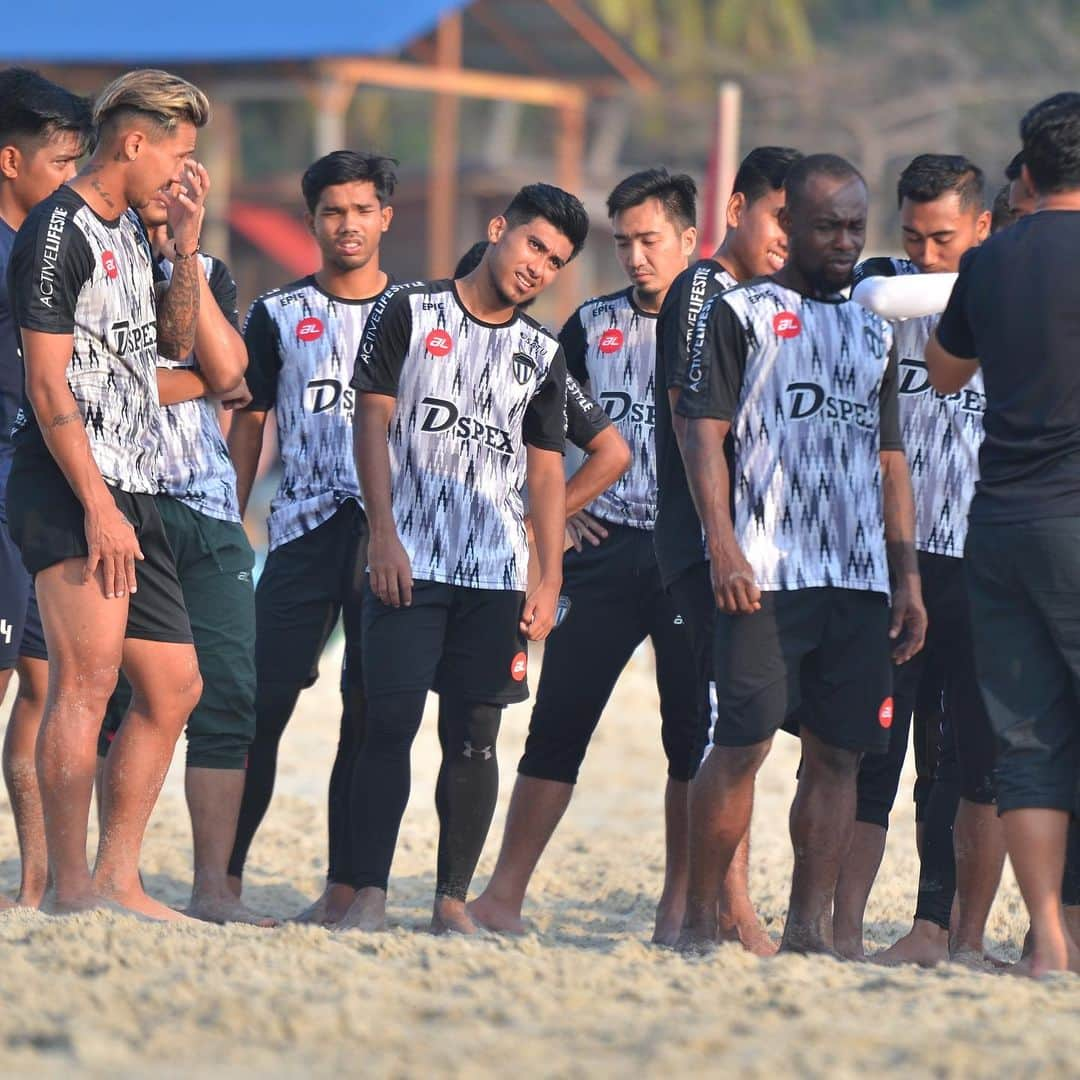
x,y
583,994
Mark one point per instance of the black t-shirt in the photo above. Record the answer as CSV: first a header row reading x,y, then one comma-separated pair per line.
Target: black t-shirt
x,y
1016,308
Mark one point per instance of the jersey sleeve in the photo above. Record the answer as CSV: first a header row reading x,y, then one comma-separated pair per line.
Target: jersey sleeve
x,y
585,419
544,425
384,345
50,263
871,268
954,330
891,437
264,358
717,364
575,347
674,333
223,289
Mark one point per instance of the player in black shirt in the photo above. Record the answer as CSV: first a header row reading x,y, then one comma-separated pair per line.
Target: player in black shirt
x,y
1015,313
461,398
44,129
86,470
755,245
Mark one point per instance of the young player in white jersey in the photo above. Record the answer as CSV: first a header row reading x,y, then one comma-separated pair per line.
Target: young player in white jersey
x,y
461,400
753,246
302,341
81,491
806,511
614,588
942,214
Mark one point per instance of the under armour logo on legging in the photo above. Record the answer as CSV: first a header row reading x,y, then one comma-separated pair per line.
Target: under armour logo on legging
x,y
485,753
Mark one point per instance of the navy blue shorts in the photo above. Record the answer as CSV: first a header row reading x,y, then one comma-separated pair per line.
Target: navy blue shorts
x,y
20,622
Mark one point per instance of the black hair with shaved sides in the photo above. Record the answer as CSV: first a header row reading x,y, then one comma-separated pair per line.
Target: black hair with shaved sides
x,y
763,171
471,259
830,165
676,193
1050,132
348,167
1012,170
1001,215
555,206
929,176
34,109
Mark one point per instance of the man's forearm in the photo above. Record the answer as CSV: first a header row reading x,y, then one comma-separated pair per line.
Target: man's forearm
x,y
707,475
178,310
245,448
176,385
898,506
547,511
219,349
372,452
608,458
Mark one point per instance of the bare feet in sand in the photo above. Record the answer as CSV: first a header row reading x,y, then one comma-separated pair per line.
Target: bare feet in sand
x,y
136,902
753,937
330,908
451,916
225,908
367,912
499,918
699,932
669,921
925,944
70,904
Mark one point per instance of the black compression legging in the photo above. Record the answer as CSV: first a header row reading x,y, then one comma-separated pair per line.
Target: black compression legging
x,y
465,793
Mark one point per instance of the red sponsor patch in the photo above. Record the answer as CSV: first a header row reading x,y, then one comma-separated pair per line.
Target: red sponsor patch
x,y
309,329
439,343
611,341
108,260
786,324
519,667
885,713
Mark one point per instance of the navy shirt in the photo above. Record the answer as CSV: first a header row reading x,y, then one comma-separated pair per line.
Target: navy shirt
x,y
11,370
1016,308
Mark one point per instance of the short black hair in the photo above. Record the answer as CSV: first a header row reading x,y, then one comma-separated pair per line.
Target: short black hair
x,y
559,207
1012,170
471,259
677,194
32,107
1050,132
347,167
763,171
1001,215
929,176
831,165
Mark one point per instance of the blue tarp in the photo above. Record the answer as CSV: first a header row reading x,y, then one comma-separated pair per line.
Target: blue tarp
x,y
194,31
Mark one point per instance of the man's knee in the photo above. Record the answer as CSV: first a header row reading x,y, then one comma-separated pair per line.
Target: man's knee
x,y
738,762
827,761
85,688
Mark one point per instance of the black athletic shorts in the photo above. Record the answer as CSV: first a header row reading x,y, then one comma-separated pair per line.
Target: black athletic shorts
x,y
1024,587
821,653
47,523
214,562
20,621
616,602
939,685
465,643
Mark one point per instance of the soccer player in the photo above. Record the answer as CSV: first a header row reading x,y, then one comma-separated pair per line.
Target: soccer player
x,y
1015,297
1021,196
461,400
86,469
942,216
755,245
44,129
302,341
616,597
802,527
214,563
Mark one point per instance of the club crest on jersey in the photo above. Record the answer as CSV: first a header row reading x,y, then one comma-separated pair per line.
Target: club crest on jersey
x,y
786,325
524,368
309,329
611,341
108,261
519,667
438,343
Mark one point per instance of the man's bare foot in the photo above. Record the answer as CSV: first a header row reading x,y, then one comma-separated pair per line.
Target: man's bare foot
x,y
806,941
226,908
30,897
69,904
975,959
367,912
1048,962
136,902
751,935
925,944
330,908
499,918
669,921
450,916
697,937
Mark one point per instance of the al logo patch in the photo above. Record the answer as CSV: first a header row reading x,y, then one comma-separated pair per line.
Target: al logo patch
x,y
885,713
309,329
108,262
438,343
519,667
611,341
786,324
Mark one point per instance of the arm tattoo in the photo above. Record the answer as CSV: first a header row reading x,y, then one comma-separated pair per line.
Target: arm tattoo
x,y
178,310
64,418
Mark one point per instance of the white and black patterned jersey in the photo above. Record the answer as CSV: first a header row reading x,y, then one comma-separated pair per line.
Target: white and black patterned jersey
x,y
810,389
302,345
72,272
195,465
677,535
942,432
610,345
470,396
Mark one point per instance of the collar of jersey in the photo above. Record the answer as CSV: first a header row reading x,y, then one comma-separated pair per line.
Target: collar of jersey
x,y
480,322
310,279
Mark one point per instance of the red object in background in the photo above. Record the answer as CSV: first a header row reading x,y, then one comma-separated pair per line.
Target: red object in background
x,y
278,234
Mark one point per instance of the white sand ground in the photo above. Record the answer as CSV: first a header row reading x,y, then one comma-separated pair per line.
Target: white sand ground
x,y
584,994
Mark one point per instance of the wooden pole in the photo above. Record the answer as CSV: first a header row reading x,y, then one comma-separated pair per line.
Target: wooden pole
x,y
570,155
218,151
728,119
443,172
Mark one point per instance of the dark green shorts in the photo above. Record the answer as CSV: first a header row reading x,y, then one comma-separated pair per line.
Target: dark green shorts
x,y
214,562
